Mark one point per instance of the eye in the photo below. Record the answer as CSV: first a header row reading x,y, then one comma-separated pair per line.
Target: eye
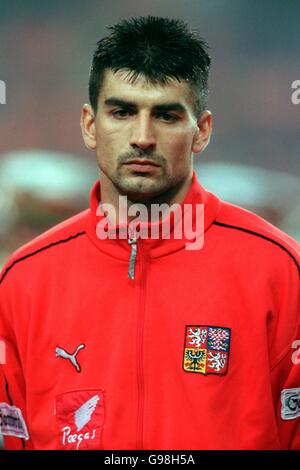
x,y
121,113
167,117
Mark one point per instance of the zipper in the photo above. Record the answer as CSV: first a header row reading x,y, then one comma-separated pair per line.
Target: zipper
x,y
132,260
141,285
140,346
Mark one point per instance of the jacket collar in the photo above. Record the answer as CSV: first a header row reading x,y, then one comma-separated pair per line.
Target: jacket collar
x,y
116,243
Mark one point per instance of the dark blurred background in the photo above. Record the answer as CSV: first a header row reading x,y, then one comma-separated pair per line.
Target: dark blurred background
x,y
45,52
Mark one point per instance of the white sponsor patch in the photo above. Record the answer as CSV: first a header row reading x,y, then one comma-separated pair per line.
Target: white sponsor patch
x,y
290,403
12,422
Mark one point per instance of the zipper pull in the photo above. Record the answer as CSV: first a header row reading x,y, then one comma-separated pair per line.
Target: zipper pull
x,y
132,243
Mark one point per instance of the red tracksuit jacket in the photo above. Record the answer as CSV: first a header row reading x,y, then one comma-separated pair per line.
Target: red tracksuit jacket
x,y
198,351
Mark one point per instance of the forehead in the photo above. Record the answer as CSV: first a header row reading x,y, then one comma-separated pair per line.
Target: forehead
x,y
142,92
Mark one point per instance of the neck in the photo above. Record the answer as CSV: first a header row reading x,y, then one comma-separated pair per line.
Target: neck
x,y
120,209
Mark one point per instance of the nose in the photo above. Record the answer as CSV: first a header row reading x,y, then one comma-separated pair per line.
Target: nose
x,y
142,135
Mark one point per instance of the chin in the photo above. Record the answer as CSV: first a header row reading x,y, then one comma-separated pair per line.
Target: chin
x,y
139,188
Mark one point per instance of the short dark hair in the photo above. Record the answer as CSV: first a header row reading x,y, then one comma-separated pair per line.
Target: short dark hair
x,y
160,49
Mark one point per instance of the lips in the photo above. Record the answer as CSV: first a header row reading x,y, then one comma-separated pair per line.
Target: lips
x,y
141,162
142,166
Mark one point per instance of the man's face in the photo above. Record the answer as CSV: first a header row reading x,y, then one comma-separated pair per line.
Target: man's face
x,y
144,135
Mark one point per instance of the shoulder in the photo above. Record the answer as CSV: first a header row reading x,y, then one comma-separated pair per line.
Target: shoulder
x,y
60,235
250,230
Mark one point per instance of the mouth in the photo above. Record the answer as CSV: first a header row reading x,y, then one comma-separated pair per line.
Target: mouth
x,y
142,166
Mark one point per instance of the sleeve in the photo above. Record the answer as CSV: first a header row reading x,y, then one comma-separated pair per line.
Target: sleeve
x,y
285,372
12,385
286,383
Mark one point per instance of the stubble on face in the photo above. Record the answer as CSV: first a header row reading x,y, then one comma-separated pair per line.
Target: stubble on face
x,y
158,185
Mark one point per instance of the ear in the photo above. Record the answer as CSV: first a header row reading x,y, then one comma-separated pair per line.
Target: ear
x,y
88,128
203,132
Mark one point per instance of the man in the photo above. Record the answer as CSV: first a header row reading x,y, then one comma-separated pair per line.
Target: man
x,y
123,331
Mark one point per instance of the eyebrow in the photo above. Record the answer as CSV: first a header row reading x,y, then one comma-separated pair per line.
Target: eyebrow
x,y
164,107
119,102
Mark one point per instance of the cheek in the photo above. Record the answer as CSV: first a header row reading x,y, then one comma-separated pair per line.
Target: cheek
x,y
106,149
107,140
179,145
106,134
112,139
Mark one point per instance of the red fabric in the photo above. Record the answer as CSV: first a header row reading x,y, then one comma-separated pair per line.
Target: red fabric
x,y
80,418
68,288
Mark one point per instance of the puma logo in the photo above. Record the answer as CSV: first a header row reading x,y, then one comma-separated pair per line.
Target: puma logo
x,y
60,352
